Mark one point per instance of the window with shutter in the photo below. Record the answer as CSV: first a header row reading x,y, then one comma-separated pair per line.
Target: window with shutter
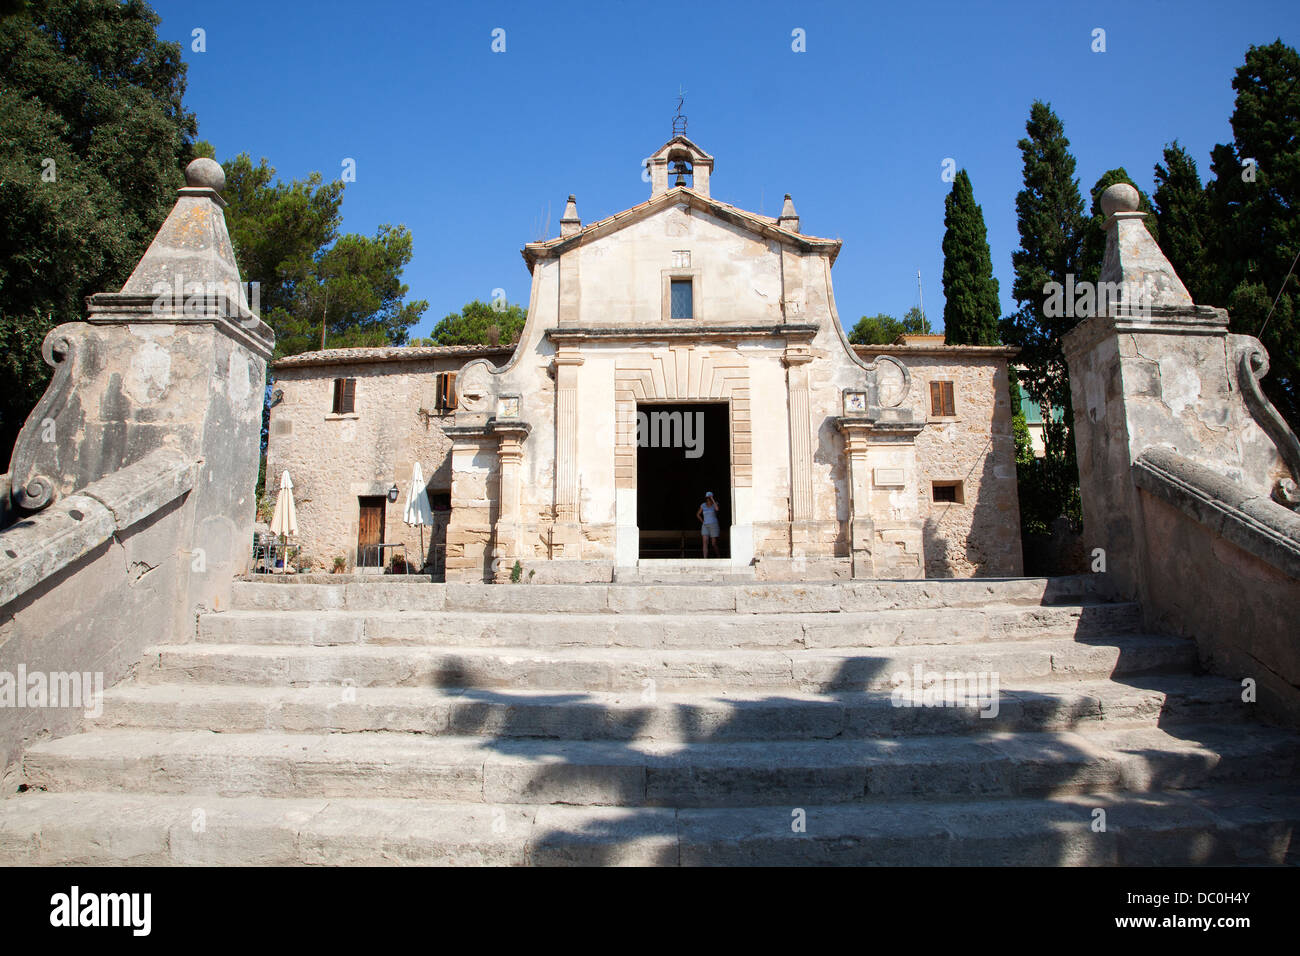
x,y
942,404
345,394
446,392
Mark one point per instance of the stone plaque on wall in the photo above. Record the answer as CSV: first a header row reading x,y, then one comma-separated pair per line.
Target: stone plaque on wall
x,y
889,478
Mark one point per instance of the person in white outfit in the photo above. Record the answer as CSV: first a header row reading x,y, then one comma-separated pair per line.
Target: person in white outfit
x,y
707,515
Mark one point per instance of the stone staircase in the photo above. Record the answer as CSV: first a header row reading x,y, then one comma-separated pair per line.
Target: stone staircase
x,y
404,722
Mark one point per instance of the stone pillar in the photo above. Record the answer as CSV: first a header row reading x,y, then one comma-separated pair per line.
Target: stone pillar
x,y
796,360
1155,370
861,530
470,529
175,359
565,533
508,546
886,532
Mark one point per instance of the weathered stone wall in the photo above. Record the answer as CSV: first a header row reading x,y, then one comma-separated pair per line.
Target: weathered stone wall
x,y
980,534
99,575
132,484
333,460
1199,528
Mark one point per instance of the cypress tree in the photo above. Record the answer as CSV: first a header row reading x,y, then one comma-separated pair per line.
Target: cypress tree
x,y
970,293
1051,224
1183,217
1253,199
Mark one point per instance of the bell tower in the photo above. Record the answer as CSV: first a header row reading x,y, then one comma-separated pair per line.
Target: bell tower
x,y
679,162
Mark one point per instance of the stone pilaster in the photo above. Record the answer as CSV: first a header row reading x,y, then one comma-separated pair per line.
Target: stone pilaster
x,y
886,534
565,533
509,527
796,360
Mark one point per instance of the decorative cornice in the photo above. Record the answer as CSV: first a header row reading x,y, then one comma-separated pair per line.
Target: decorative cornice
x,y
1183,320
224,313
491,427
743,219
638,333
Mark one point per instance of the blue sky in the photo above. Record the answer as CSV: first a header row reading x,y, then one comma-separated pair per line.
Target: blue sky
x,y
475,151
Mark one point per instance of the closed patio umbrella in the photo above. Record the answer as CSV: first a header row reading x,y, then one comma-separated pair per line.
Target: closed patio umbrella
x,y
284,521
418,510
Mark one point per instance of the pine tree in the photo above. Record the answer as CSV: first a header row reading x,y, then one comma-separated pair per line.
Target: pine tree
x,y
1252,200
970,293
1183,219
1051,224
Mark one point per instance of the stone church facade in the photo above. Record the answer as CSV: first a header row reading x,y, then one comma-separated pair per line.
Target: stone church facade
x,y
681,346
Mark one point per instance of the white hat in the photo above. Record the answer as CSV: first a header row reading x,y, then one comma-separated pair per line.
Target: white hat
x,y
708,494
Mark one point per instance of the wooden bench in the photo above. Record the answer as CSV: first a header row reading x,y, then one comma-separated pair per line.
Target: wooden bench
x,y
670,544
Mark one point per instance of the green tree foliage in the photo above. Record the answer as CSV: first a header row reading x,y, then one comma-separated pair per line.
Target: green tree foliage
x,y
93,137
286,238
881,329
1094,231
970,293
1257,227
1183,219
476,324
1051,223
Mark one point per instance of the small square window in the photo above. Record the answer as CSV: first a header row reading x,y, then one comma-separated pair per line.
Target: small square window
x,y
947,492
345,396
681,299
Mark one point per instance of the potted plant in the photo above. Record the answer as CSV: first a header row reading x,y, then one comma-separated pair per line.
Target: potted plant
x,y
340,564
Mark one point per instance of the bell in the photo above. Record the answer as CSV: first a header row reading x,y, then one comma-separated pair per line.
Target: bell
x,y
681,169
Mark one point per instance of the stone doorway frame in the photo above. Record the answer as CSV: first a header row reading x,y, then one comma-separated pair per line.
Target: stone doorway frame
x,y
682,374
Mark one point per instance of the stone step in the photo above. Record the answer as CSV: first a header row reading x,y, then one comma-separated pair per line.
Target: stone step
x,y
514,770
1224,825
669,570
288,594
588,669
1079,705
700,630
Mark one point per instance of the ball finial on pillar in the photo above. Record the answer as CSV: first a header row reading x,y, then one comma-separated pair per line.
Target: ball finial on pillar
x,y
1119,197
204,173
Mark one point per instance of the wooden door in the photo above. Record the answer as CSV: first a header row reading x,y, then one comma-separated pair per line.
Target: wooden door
x,y
370,531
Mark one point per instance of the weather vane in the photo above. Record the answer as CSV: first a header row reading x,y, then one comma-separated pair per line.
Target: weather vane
x,y
679,121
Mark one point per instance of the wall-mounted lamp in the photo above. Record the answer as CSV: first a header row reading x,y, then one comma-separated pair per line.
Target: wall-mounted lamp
x,y
277,397
392,492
